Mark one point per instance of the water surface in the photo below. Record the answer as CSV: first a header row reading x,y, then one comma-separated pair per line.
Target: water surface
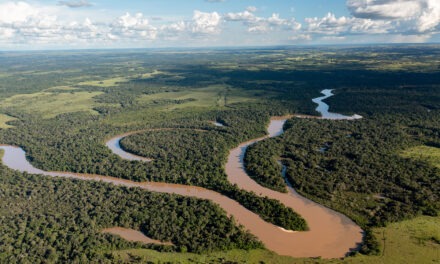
x,y
115,146
331,235
323,108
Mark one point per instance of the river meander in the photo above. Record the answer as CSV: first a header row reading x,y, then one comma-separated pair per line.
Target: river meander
x,y
324,108
331,234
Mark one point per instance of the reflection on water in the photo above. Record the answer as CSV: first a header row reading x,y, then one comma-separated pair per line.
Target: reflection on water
x,y
15,158
115,146
323,108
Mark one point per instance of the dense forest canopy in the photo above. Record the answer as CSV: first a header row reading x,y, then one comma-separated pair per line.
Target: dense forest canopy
x,y
61,107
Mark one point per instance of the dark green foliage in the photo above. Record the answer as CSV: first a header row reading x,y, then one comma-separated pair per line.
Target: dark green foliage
x,y
261,164
188,153
60,220
361,160
201,154
269,209
360,172
370,245
74,142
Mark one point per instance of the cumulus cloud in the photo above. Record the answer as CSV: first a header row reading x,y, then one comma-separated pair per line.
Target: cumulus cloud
x,y
419,15
384,9
430,16
245,16
261,24
11,12
332,25
63,24
205,23
21,21
75,4
134,26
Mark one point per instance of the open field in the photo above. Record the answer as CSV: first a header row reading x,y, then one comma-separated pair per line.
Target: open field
x,y
49,105
60,88
5,118
215,96
234,256
409,241
105,83
424,153
113,82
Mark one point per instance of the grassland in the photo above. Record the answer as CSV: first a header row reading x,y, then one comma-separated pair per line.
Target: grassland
x,y
114,82
410,241
105,83
151,74
233,256
60,88
4,119
424,153
214,96
49,105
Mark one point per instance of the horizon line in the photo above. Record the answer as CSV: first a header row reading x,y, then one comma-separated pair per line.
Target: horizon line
x,y
225,47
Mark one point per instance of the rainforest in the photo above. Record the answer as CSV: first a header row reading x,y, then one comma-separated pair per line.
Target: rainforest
x,y
221,155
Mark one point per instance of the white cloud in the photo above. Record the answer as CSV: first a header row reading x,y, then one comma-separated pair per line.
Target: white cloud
x,y
430,16
20,22
252,9
15,12
276,20
205,23
301,37
415,15
334,38
384,9
328,24
6,33
245,16
176,27
29,23
136,26
261,24
332,25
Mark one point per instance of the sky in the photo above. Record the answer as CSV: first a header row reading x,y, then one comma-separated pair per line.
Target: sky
x,y
91,24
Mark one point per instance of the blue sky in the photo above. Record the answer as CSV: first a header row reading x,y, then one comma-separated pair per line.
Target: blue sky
x,y
202,23
299,8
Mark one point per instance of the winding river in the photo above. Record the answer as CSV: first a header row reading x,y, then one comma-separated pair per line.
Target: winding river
x,y
323,108
331,234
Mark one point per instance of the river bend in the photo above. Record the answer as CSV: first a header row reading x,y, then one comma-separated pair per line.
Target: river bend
x,y
331,234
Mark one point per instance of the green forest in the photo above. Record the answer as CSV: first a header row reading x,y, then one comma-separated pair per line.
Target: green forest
x,y
62,106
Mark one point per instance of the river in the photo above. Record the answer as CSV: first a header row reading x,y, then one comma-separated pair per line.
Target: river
x,y
331,234
323,108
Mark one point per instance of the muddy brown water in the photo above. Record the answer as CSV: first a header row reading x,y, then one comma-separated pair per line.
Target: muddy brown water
x,y
331,235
